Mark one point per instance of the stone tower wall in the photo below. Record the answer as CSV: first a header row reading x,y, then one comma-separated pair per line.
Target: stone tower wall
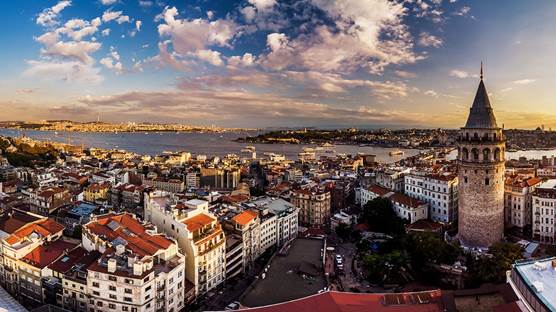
x,y
481,187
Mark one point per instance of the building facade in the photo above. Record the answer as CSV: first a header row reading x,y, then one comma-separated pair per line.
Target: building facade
x,y
544,208
440,191
481,165
314,207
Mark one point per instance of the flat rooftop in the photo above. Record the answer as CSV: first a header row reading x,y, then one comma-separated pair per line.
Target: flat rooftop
x,y
532,275
283,281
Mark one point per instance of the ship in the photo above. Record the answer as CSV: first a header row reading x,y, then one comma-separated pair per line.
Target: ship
x,y
396,153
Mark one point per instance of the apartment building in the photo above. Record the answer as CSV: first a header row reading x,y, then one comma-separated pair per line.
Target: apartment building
x,y
139,270
392,178
314,207
544,209
199,236
248,225
97,192
518,200
439,191
408,208
372,192
21,234
36,283
168,185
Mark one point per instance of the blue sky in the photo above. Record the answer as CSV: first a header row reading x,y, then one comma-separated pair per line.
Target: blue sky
x,y
257,63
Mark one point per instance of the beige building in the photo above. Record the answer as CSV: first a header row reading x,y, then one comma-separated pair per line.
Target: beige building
x,y
518,203
139,270
314,207
199,235
30,232
481,147
544,212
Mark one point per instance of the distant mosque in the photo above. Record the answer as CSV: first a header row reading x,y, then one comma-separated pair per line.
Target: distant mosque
x,y
481,146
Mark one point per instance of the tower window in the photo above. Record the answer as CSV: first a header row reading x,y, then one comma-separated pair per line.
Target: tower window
x,y
487,181
465,179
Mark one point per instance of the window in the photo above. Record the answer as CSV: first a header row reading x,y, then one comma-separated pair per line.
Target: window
x,y
112,288
127,299
128,291
113,297
487,181
112,306
465,179
95,284
112,278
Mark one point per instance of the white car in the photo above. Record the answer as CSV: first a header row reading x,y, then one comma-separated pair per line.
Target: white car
x,y
232,306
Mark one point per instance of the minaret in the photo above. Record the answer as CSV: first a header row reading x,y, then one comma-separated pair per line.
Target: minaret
x,y
481,147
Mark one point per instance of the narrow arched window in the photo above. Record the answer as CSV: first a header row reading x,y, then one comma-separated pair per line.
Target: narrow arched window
x,y
475,153
464,154
497,154
486,154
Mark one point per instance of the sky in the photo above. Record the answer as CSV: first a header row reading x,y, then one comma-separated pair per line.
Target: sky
x,y
278,63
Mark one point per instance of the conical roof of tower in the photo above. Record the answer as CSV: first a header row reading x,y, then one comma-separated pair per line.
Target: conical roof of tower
x,y
481,114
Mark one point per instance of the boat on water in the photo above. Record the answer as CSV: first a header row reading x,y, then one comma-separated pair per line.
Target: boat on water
x,y
396,153
327,145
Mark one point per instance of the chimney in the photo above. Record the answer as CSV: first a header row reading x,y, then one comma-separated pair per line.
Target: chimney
x,y
137,268
112,265
120,249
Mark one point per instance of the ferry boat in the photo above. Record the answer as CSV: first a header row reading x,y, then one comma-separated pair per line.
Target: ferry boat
x,y
396,153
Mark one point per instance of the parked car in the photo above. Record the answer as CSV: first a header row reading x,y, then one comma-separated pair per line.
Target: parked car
x,y
232,306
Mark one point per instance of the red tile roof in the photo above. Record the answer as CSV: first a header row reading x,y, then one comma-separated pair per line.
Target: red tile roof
x,y
44,227
131,230
406,200
333,301
45,254
245,217
198,221
379,190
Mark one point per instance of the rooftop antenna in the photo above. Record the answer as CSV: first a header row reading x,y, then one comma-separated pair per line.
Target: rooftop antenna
x,y
481,70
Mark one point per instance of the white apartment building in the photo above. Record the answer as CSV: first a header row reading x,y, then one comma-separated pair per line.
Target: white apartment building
x,y
193,180
199,236
372,192
409,208
544,209
248,225
392,178
518,204
439,191
281,228
139,270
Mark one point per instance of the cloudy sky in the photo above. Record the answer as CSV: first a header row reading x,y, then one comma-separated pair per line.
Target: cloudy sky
x,y
258,63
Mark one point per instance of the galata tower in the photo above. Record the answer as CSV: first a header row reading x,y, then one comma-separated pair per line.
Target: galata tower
x,y
481,147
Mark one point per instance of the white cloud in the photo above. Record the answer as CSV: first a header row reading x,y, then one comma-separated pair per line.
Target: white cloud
x,y
368,34
48,17
138,25
461,74
431,93
80,50
71,71
246,60
118,16
209,56
463,11
263,5
524,81
106,32
428,40
405,74
108,2
197,34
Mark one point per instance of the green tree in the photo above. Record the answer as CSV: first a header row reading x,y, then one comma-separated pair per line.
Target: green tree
x,y
380,217
492,268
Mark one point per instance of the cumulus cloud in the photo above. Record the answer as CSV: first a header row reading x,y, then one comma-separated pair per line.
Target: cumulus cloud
x,y
428,40
138,24
117,16
367,34
196,34
108,2
49,17
112,61
209,56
